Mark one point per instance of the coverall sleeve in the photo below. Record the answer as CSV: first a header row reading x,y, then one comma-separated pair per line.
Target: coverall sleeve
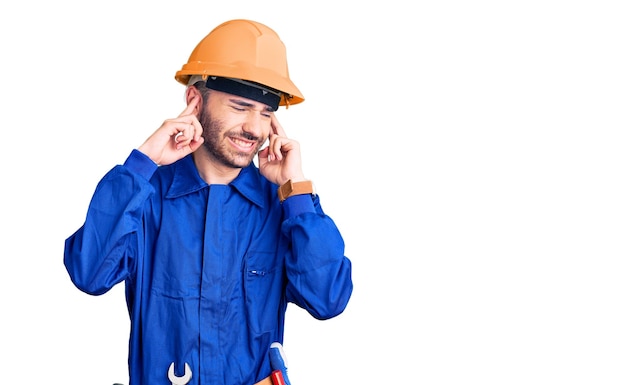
x,y
103,251
319,275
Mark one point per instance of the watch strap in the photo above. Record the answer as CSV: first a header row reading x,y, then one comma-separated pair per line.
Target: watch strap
x,y
294,188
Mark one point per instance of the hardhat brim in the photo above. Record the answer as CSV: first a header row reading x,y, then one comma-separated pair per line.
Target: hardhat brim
x,y
270,79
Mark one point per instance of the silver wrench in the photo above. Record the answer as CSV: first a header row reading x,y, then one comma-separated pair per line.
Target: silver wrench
x,y
179,380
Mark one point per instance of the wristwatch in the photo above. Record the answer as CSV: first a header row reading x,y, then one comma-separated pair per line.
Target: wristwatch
x,y
294,188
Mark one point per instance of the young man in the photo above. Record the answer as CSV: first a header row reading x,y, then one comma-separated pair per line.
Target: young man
x,y
211,247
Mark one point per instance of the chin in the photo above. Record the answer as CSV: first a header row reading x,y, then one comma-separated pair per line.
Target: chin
x,y
241,162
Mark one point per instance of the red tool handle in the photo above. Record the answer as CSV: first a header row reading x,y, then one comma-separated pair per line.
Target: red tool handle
x,y
277,378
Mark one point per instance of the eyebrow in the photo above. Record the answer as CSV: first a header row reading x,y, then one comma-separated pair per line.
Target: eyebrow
x,y
246,104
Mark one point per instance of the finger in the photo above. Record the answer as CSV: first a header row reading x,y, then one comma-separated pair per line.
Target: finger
x,y
271,145
193,146
180,131
264,153
276,127
193,103
276,147
197,128
263,157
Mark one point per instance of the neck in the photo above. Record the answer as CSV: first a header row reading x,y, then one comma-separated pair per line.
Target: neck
x,y
211,170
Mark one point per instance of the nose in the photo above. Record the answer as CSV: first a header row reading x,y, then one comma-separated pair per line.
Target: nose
x,y
254,124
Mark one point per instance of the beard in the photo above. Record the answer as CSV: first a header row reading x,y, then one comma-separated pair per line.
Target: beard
x,y
214,134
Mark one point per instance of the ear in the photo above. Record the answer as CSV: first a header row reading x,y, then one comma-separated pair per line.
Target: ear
x,y
190,93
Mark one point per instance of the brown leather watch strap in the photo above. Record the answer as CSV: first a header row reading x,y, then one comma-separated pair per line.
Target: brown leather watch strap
x,y
294,188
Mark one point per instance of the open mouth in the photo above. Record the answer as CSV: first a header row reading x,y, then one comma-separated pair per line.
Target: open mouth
x,y
242,144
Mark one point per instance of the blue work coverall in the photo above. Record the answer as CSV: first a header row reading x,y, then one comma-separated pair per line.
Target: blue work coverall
x,y
208,269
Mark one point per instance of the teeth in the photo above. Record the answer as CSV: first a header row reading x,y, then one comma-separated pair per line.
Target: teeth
x,y
242,143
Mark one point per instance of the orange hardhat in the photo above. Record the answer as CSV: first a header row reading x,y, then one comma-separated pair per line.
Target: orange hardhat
x,y
245,50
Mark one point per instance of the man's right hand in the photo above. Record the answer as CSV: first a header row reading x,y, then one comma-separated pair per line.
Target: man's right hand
x,y
176,138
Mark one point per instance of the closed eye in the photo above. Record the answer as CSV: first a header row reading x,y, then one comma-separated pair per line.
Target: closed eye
x,y
241,106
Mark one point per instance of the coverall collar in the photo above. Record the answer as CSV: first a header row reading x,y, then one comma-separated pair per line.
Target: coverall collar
x,y
187,180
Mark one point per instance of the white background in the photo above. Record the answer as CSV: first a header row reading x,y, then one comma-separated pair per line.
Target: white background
x,y
471,152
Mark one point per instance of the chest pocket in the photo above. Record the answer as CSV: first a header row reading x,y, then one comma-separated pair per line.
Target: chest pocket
x,y
263,291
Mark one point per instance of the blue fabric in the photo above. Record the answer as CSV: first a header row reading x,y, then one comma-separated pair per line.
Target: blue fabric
x,y
208,270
